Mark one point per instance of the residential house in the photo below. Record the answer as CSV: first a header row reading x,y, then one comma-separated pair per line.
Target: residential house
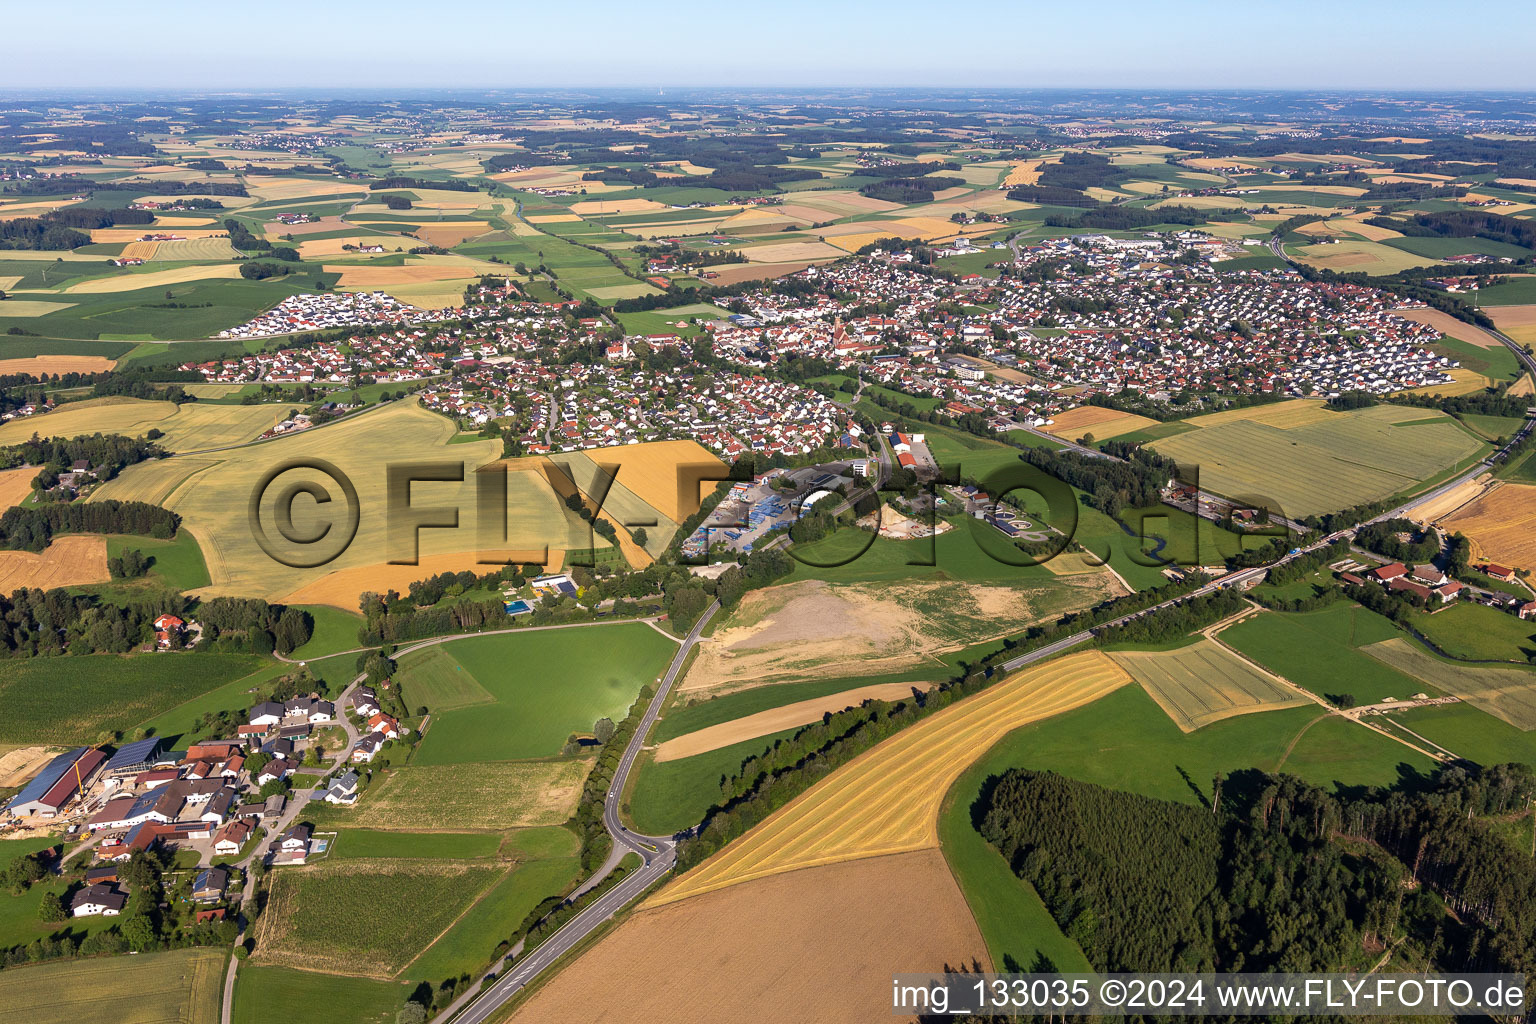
x,y
103,898
209,885
343,790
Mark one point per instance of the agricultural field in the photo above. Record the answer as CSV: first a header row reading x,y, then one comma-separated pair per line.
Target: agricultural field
x,y
1501,524
85,698
1204,683
36,366
887,800
327,997
187,427
179,987
358,447
544,685
1508,694
326,916
1476,632
1306,459
67,561
499,796
723,956
1101,422
1323,651
772,720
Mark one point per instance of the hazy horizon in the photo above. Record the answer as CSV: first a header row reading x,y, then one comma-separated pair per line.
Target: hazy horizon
x,y
385,44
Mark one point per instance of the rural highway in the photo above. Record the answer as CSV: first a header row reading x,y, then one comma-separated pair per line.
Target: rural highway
x,y
657,854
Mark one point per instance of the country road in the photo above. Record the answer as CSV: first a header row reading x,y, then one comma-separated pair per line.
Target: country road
x,y
656,852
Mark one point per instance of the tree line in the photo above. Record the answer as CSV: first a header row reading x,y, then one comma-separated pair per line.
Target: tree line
x,y
1268,873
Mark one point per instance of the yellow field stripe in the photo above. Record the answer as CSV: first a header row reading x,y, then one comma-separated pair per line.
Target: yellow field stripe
x,y
887,799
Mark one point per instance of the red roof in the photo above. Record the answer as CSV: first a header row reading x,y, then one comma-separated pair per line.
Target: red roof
x,y
80,771
1390,572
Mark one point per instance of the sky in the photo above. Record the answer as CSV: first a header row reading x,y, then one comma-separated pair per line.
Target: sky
x,y
213,45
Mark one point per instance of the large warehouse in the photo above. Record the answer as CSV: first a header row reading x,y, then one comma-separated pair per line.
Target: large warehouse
x,y
57,784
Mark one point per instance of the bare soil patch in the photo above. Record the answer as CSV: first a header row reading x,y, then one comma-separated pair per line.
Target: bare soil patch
x,y
811,946
774,720
815,630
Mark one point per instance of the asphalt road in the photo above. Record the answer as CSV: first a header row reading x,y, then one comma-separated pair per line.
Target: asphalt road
x,y
657,852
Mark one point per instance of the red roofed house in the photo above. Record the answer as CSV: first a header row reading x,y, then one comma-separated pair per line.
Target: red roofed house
x,y
1528,610
1499,572
385,724
1388,573
167,628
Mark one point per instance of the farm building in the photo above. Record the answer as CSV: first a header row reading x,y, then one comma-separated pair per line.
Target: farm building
x,y
136,757
56,785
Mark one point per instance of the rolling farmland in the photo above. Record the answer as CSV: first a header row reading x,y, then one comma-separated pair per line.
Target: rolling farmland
x,y
1501,524
1309,460
1205,683
360,447
887,800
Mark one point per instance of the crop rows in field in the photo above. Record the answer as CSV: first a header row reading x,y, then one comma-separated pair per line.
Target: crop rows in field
x,y
887,800
1204,683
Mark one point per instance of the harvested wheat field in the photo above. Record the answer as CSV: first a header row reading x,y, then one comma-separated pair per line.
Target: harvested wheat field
x,y
554,218
1205,682
361,447
1501,525
450,233
134,234
666,475
116,415
1098,421
319,248
1463,382
1452,327
783,252
140,250
817,947
1524,387
303,188
1439,507
774,720
1342,225
588,207
68,561
736,273
1519,322
133,282
21,763
887,799
340,589
16,486
1024,172
382,278
812,630
39,365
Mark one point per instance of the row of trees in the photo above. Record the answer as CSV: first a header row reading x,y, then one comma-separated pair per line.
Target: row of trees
x,y
31,527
